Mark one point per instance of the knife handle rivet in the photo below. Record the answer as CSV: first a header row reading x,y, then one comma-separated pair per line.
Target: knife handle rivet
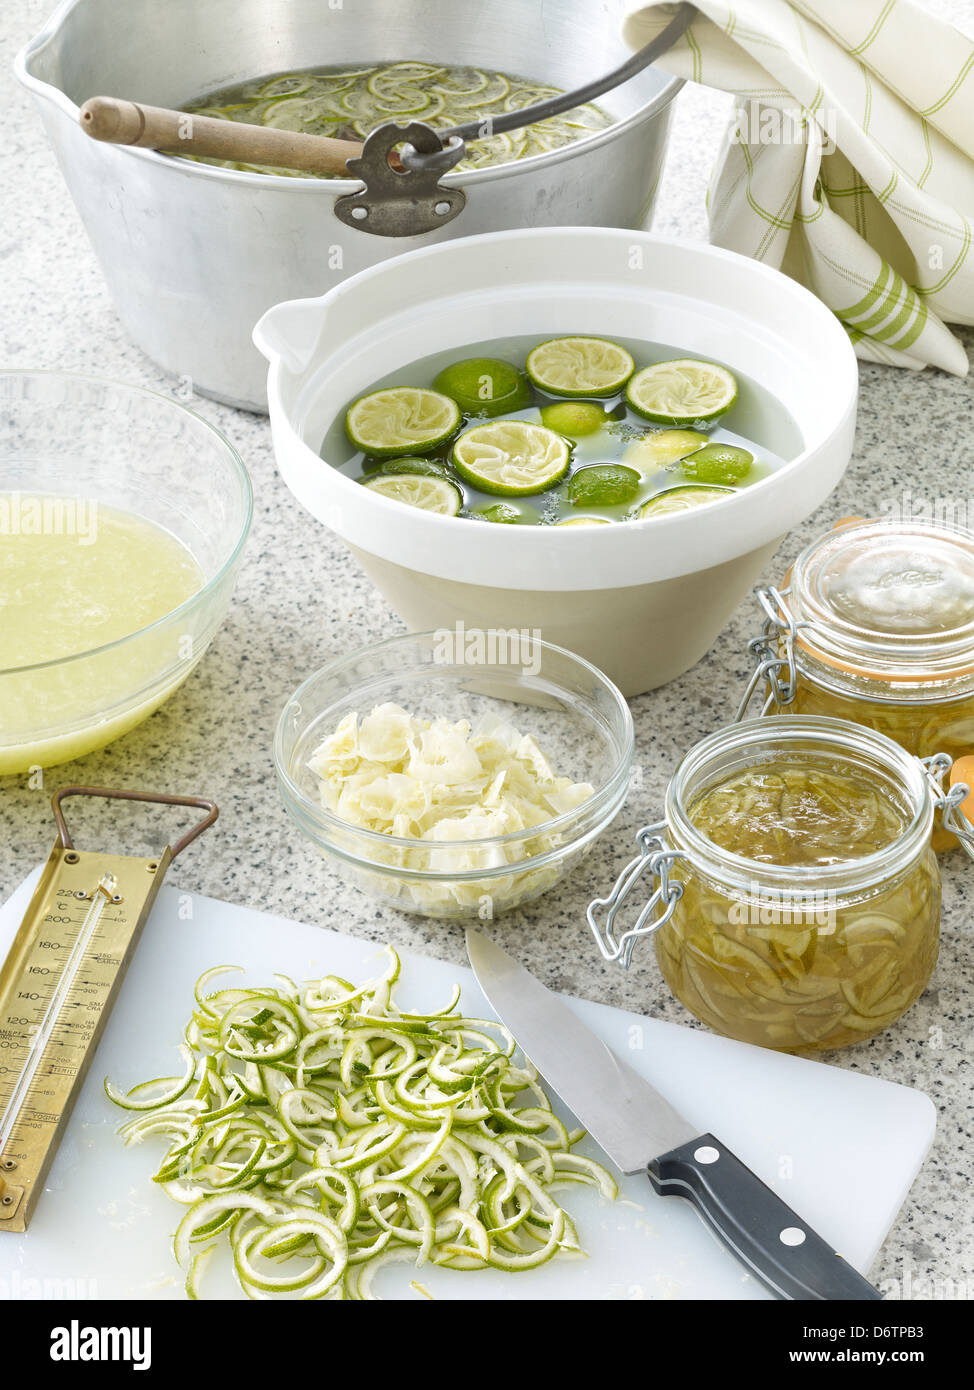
x,y
791,1235
706,1154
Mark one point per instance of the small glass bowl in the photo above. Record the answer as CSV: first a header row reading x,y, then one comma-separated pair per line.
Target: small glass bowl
x,y
578,717
68,438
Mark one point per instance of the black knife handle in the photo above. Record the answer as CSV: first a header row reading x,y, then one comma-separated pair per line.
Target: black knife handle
x,y
756,1225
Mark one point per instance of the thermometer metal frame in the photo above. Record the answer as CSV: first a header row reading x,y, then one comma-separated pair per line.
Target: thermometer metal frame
x,y
58,984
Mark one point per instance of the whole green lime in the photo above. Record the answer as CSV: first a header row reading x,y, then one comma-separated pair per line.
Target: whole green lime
x,y
718,463
501,512
603,485
576,419
484,386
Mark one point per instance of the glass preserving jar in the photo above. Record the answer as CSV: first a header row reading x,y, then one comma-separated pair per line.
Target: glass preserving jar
x,y
795,897
876,625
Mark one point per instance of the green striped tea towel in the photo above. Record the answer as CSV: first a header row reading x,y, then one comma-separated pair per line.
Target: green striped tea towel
x,y
849,163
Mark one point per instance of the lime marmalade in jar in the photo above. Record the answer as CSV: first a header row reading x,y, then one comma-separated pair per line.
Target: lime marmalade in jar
x,y
877,626
796,897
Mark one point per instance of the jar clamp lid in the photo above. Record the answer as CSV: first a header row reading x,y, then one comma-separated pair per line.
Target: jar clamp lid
x,y
921,780
887,602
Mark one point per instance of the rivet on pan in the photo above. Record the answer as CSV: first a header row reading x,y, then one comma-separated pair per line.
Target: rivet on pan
x,y
7,1201
72,857
151,868
8,1165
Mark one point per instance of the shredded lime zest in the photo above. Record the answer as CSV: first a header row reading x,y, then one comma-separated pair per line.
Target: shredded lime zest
x,y
349,103
426,491
398,419
511,458
682,392
328,1134
580,367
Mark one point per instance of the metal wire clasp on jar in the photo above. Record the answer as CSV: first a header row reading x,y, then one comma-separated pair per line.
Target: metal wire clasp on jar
x,y
794,895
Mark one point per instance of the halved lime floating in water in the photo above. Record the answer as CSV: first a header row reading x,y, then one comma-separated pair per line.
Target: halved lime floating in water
x,y
584,521
484,386
401,419
579,366
603,485
501,512
574,418
683,499
682,392
718,463
431,494
427,468
511,458
661,447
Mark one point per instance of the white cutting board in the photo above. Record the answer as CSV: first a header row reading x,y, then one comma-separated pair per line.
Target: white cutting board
x,y
841,1148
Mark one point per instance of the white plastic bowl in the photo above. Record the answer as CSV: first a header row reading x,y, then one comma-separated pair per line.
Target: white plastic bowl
x,y
642,600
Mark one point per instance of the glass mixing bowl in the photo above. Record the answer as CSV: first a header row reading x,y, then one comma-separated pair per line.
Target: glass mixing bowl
x,y
67,438
577,716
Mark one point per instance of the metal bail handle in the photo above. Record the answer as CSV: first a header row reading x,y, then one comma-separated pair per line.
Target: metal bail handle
x,y
411,201
655,857
949,801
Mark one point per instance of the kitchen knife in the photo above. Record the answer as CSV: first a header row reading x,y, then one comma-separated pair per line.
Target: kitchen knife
x,y
640,1130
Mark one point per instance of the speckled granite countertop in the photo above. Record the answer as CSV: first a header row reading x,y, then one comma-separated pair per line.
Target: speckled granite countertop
x,y
301,600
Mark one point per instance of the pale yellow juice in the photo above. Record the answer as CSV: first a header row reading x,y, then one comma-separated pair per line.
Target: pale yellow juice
x,y
75,578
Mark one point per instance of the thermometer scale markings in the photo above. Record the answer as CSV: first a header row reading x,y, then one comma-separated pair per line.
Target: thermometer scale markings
x,y
41,1036
58,983
72,951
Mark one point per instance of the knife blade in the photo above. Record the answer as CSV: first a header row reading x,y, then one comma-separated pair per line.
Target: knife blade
x,y
640,1130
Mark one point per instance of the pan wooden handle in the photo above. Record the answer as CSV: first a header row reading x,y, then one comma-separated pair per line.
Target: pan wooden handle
x,y
179,132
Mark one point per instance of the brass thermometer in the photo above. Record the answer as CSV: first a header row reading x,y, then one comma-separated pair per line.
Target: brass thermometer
x,y
57,987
